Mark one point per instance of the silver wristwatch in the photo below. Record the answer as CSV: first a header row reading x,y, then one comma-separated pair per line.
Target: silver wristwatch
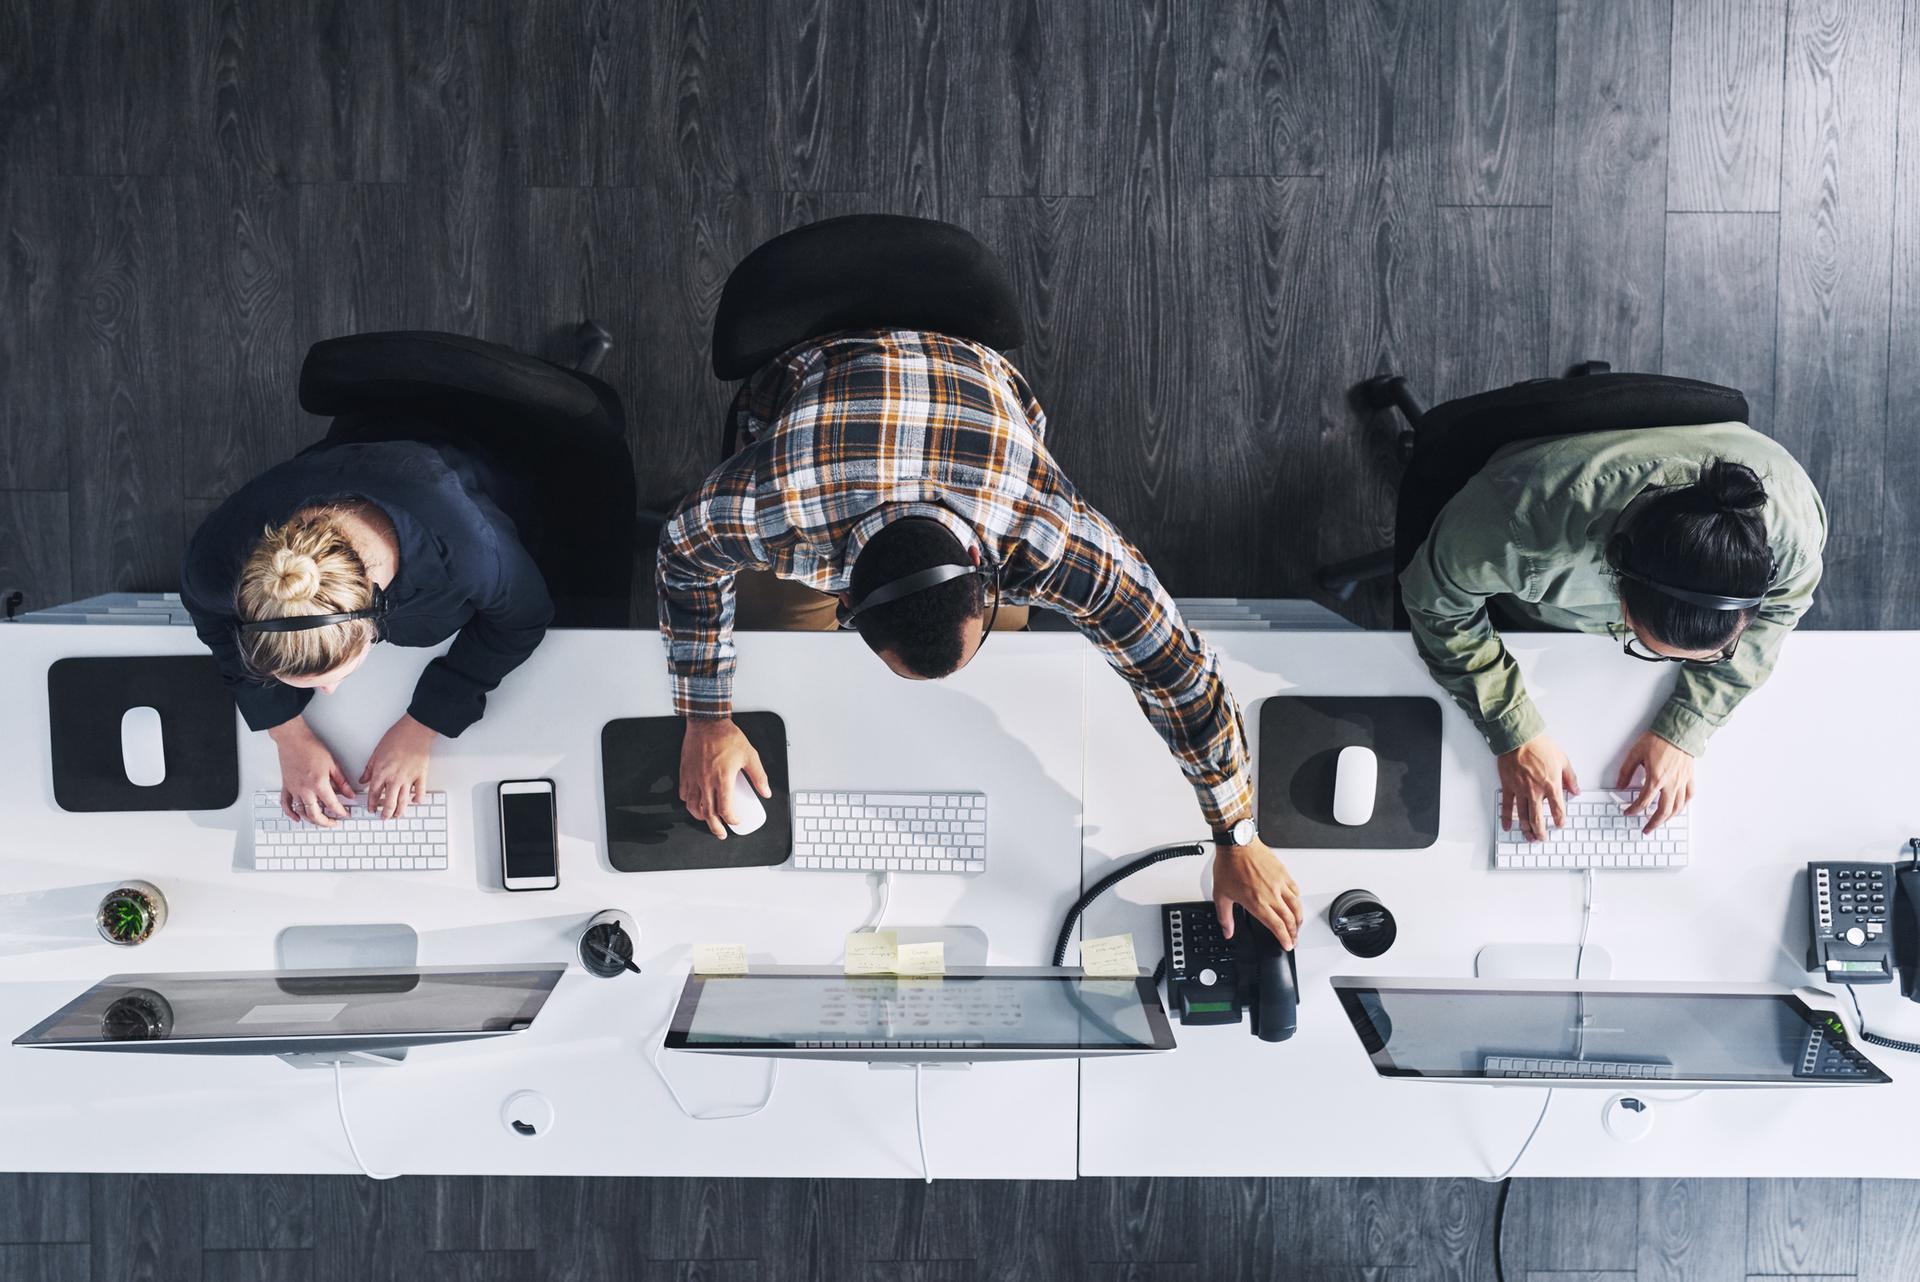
x,y
1241,834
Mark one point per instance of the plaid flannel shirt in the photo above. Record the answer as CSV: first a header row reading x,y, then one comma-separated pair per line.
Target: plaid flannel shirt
x,y
841,427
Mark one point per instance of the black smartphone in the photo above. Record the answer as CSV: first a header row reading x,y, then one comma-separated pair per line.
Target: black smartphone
x,y
529,835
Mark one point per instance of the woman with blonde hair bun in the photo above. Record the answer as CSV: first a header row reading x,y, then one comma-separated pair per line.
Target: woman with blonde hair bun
x,y
294,579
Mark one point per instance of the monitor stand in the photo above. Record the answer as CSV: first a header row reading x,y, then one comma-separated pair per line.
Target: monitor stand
x,y
345,1059
1541,961
963,946
348,946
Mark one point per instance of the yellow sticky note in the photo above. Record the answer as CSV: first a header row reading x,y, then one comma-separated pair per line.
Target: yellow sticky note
x,y
1110,956
1107,987
872,952
719,959
921,959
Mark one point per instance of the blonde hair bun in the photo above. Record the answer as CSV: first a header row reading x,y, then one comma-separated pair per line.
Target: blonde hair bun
x,y
294,578
305,566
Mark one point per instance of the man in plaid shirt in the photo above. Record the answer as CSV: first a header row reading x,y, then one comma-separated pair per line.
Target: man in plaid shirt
x,y
869,456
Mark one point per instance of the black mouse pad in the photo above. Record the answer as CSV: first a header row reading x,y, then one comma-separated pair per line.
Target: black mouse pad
x,y
649,830
86,699
1300,741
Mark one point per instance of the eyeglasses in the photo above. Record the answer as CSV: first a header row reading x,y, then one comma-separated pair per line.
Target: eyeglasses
x,y
1635,650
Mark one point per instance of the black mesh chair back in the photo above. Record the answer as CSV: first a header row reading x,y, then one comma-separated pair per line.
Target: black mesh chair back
x,y
1454,440
560,433
866,271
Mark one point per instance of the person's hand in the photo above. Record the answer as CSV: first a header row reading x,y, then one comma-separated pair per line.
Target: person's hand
x,y
1253,877
396,773
1536,769
312,785
712,754
1668,776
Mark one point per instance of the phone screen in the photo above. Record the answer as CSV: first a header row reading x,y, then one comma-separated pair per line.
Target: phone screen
x,y
526,834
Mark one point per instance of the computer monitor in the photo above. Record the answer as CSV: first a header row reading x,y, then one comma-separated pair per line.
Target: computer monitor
x,y
312,1014
1599,1033
969,1015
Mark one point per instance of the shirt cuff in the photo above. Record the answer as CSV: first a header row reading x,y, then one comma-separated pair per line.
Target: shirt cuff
x,y
1682,727
1520,723
1230,798
703,698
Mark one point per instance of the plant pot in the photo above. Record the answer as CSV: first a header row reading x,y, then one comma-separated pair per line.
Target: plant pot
x,y
131,912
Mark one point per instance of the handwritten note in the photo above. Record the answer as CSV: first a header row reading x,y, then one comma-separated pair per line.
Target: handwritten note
x,y
719,959
872,952
921,959
1110,956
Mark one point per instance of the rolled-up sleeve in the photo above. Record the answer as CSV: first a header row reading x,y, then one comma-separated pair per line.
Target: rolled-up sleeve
x,y
1102,583
709,539
1471,555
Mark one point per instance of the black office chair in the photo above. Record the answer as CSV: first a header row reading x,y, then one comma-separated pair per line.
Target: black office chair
x,y
560,431
865,271
1443,447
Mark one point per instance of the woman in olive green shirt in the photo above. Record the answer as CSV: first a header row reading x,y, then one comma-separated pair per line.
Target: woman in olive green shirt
x,y
1635,534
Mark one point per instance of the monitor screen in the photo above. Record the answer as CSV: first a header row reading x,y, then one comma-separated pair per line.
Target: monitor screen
x,y
275,1009
1006,1010
1465,1030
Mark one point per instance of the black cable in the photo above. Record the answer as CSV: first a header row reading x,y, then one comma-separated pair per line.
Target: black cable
x,y
1891,1043
1499,1231
1106,883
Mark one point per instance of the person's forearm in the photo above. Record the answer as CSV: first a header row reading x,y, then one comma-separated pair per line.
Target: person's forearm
x,y
1467,659
294,728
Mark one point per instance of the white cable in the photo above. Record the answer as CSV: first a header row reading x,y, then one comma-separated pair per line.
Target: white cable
x,y
920,1126
1524,1144
659,1040
340,1100
1579,958
878,913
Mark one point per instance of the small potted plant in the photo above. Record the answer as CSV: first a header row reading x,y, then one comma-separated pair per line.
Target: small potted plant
x,y
131,912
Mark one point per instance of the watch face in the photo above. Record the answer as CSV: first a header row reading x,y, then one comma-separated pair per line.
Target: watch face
x,y
1243,833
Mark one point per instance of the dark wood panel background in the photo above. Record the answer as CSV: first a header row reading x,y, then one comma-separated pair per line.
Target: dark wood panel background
x,y
111,1228
1220,214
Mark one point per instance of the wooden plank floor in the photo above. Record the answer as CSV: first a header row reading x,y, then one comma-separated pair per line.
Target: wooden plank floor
x,y
107,1228
1221,214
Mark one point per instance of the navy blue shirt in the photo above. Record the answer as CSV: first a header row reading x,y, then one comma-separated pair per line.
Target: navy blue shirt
x,y
462,570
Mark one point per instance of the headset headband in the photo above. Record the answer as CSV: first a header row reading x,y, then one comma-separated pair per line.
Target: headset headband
x,y
919,581
307,622
1705,600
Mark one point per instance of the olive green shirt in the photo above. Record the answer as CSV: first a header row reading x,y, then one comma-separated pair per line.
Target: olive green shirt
x,y
1531,529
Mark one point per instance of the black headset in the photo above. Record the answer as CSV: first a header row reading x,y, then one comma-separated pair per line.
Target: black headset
x,y
307,622
1620,545
920,580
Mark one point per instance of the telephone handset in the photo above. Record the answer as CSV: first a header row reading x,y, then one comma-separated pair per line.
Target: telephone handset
x,y
1212,980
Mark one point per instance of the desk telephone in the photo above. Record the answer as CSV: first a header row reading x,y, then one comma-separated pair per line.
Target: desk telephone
x,y
1211,980
1863,922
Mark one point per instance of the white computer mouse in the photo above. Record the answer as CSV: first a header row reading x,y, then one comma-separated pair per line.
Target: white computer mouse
x,y
1356,777
749,812
143,752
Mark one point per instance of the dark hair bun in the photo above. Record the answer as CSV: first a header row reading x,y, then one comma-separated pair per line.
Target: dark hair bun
x,y
1732,487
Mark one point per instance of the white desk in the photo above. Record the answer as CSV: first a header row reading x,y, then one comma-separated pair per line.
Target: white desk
x,y
1010,725
1793,778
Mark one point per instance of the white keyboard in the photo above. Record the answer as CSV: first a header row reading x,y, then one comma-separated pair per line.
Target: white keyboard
x,y
362,842
1606,1069
1597,835
891,831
